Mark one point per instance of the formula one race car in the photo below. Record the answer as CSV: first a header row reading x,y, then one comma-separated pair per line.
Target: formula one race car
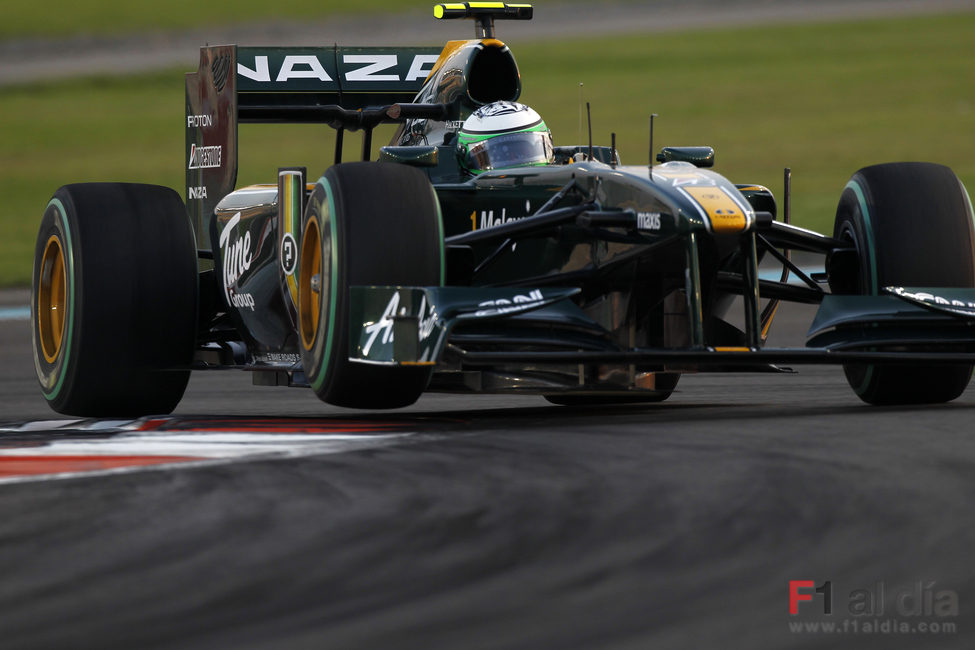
x,y
475,256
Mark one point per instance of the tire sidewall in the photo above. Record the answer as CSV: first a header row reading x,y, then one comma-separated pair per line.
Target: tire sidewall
x,y
319,360
56,379
854,223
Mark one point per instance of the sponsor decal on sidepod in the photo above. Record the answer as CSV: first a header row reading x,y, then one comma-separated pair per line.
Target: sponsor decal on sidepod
x,y
237,258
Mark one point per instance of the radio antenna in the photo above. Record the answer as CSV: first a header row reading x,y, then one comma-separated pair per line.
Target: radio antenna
x,y
589,123
787,218
787,215
612,150
652,117
580,113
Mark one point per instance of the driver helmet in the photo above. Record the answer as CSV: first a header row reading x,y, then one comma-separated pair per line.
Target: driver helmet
x,y
504,134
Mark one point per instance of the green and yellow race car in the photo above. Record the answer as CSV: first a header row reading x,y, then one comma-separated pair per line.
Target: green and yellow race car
x,y
474,255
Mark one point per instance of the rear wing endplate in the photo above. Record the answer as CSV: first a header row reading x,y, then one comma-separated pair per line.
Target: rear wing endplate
x,y
340,86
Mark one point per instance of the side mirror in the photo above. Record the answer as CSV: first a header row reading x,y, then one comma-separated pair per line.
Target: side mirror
x,y
424,156
697,156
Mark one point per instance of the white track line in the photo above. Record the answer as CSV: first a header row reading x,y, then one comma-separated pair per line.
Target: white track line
x,y
204,448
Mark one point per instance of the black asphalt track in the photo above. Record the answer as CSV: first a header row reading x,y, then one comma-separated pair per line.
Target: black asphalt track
x,y
513,525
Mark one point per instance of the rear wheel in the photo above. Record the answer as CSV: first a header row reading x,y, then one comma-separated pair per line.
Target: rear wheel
x,y
911,225
366,224
113,308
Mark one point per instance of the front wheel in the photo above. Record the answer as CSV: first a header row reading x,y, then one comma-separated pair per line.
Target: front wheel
x,y
366,223
911,226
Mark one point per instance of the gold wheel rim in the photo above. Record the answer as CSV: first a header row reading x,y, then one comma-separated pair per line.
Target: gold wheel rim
x,y
52,299
309,300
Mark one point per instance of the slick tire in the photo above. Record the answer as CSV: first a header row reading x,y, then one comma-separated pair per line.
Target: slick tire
x,y
366,223
911,225
666,383
114,299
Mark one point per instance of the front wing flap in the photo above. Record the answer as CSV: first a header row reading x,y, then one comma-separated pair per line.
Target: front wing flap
x,y
410,325
904,316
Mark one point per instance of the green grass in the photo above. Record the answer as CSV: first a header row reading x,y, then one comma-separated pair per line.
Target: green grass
x,y
64,18
822,99
108,17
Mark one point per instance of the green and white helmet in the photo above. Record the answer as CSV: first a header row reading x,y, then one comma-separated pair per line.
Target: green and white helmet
x,y
501,135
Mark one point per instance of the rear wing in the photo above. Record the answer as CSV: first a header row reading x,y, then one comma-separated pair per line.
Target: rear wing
x,y
347,88
351,77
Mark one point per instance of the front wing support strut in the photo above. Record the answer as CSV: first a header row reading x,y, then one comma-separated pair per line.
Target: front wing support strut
x,y
750,291
695,310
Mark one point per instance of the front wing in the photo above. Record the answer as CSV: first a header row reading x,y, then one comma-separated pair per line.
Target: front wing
x,y
413,326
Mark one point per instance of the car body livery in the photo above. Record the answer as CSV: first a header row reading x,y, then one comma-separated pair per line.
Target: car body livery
x,y
583,280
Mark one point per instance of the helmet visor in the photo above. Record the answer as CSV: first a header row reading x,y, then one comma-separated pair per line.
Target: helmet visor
x,y
511,150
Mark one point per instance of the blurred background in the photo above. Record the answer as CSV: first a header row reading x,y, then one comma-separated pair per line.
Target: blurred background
x,y
94,91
